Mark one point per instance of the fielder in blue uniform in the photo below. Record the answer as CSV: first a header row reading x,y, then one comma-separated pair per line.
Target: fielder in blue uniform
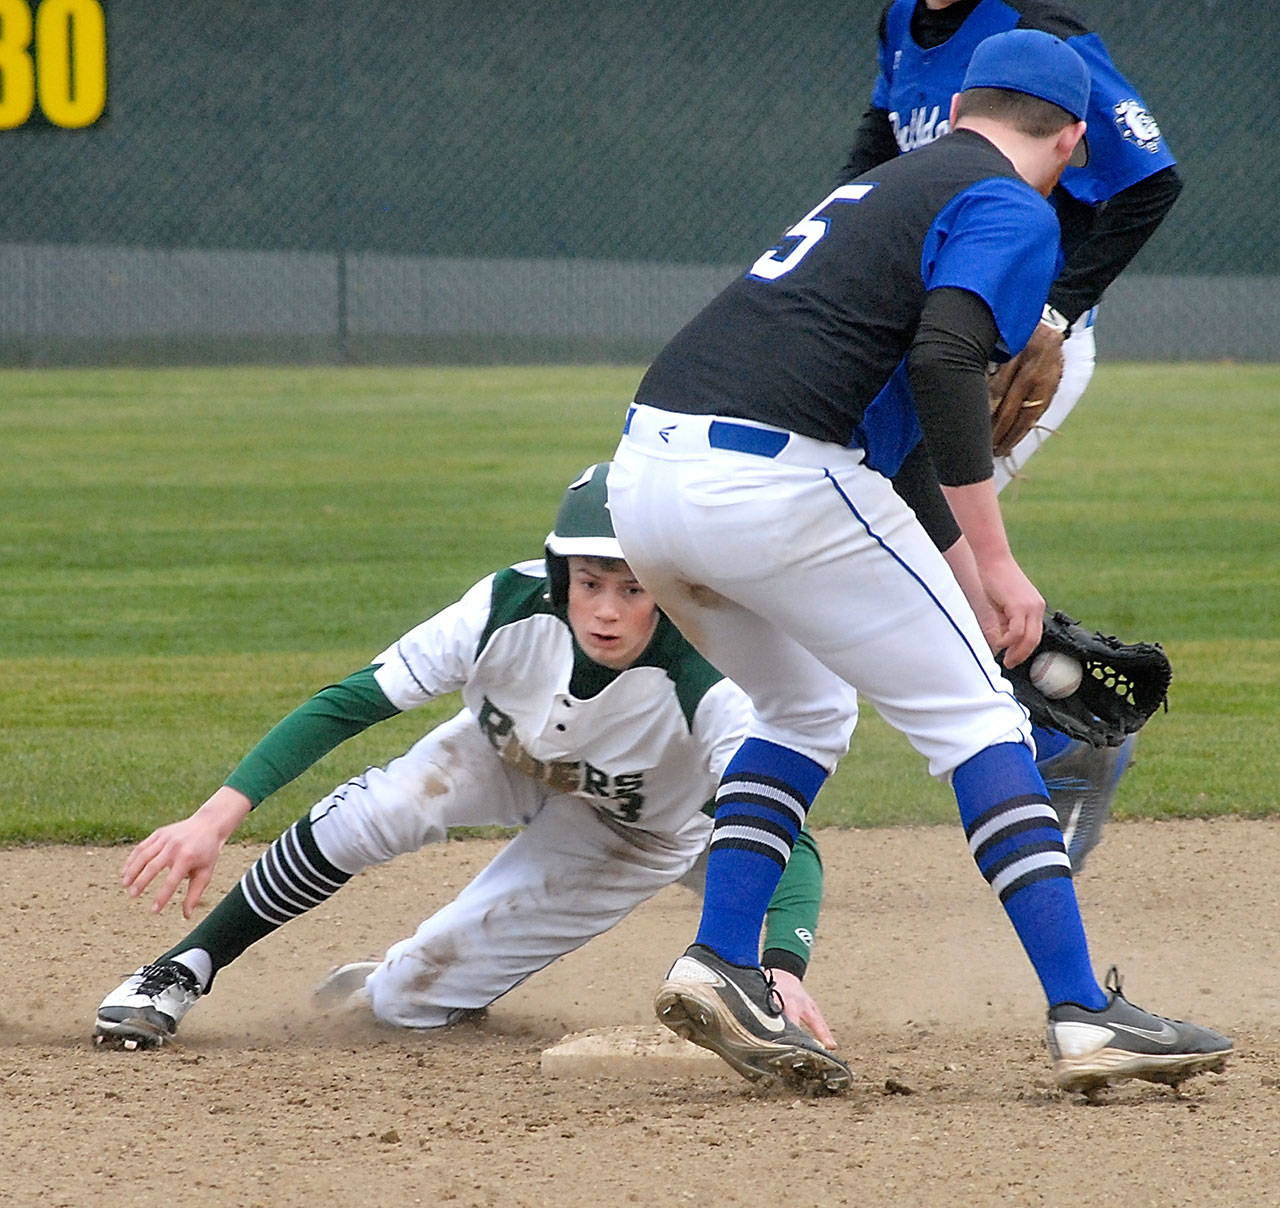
x,y
1108,208
751,494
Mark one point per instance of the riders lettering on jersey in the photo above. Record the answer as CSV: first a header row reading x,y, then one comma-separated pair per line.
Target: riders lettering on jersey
x,y
578,777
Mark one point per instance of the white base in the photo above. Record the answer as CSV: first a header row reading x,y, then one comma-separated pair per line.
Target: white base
x,y
630,1051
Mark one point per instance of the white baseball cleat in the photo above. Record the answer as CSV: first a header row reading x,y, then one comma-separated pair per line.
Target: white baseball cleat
x,y
344,988
144,1011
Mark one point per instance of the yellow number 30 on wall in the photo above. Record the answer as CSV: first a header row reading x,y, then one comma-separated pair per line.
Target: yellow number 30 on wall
x,y
52,53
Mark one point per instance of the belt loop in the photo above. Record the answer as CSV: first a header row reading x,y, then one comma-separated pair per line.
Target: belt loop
x,y
741,438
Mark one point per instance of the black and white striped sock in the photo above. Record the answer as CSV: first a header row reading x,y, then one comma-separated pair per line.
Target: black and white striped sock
x,y
287,880
291,877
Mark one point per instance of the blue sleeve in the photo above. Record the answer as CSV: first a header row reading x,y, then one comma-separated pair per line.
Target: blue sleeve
x,y
1125,144
998,239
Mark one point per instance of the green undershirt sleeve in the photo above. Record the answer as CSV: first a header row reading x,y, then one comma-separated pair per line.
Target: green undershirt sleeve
x,y
310,732
791,921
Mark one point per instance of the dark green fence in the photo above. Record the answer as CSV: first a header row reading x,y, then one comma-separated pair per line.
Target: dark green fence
x,y
423,178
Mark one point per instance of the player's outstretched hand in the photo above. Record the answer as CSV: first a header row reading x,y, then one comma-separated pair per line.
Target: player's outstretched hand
x,y
801,1008
1023,387
188,850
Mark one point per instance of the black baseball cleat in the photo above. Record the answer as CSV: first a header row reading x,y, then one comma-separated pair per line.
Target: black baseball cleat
x,y
144,1011
1092,1048
734,1011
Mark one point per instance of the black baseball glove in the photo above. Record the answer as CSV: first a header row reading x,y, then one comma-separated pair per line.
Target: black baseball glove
x,y
1122,686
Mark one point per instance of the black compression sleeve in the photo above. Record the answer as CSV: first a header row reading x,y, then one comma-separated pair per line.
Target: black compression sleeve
x,y
947,369
1124,224
917,483
873,145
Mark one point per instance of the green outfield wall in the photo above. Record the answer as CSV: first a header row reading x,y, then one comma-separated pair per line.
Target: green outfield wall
x,y
435,180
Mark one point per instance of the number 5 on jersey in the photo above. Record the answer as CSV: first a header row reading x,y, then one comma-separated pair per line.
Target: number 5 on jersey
x,y
780,260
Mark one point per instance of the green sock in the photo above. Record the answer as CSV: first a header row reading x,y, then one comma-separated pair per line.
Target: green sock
x,y
291,877
230,928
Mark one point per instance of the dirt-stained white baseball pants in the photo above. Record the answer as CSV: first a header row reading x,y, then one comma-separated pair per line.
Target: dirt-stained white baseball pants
x,y
803,575
566,877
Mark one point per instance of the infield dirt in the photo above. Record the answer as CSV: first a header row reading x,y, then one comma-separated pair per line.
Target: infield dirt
x,y
264,1103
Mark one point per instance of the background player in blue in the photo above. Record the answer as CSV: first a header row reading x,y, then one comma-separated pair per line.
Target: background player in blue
x,y
751,495
1108,208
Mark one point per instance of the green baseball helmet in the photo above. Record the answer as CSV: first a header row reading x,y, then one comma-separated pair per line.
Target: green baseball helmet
x,y
583,524
584,527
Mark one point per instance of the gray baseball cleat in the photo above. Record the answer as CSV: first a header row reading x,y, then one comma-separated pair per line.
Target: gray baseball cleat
x,y
734,1011
144,1011
1082,783
1092,1048
344,988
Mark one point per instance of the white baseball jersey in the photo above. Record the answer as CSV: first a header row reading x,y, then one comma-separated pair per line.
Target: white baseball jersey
x,y
645,746
605,772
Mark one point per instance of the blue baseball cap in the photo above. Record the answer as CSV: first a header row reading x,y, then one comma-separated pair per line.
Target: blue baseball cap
x,y
1037,63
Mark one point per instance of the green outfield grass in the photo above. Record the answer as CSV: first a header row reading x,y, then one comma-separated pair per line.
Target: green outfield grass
x,y
189,553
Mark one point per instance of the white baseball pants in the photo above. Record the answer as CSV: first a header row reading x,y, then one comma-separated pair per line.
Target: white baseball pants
x,y
803,576
566,877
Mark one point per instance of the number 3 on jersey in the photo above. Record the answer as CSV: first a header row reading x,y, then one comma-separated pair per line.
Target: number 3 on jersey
x,y
780,260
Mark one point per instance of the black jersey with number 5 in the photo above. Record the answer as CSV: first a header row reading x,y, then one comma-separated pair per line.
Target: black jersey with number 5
x,y
818,327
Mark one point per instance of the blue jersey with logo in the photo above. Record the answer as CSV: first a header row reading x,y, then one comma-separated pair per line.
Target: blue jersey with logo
x,y
915,86
813,337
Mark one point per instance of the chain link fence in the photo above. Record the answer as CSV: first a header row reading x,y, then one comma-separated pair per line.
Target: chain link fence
x,y
427,179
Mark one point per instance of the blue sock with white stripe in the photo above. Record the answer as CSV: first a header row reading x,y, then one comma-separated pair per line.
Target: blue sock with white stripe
x,y
761,804
1016,841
